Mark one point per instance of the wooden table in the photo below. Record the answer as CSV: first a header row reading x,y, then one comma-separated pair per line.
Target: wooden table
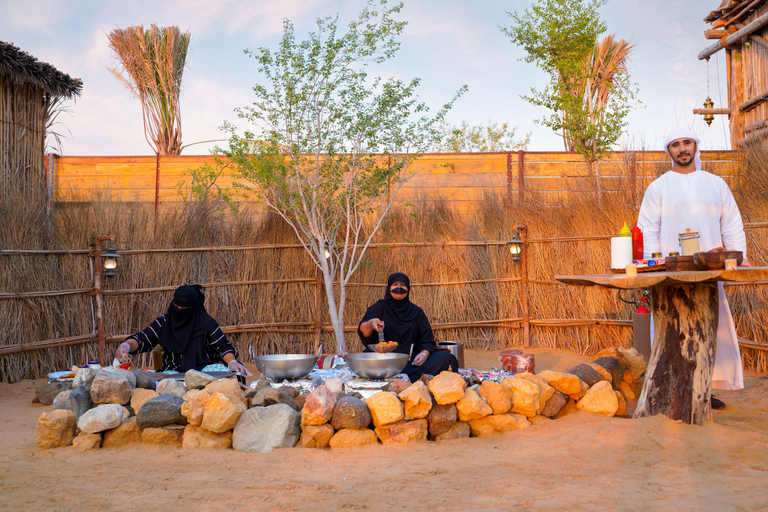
x,y
678,380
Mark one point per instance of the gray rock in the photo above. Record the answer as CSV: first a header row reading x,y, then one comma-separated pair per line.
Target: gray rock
x,y
142,381
84,377
263,429
586,373
271,396
108,388
48,392
194,379
290,390
441,418
555,405
127,375
101,418
614,368
160,411
350,412
172,386
77,400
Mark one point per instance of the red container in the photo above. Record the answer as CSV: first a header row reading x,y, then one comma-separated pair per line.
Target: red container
x,y
637,243
514,361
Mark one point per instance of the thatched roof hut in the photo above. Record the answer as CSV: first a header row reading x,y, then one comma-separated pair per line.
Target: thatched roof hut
x,y
741,28
27,87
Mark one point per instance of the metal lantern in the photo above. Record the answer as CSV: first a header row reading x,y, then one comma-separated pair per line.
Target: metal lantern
x,y
109,262
516,248
709,117
327,251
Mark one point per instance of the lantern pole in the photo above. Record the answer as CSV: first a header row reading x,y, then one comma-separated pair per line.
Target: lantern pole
x,y
524,284
98,290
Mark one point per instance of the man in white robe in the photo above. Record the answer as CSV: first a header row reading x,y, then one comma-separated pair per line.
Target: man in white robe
x,y
687,197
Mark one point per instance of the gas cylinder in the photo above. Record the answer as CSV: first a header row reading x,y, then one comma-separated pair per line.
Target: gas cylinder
x,y
642,328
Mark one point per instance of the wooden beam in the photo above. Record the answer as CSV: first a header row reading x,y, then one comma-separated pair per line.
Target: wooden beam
x,y
755,126
736,97
715,34
713,111
753,102
736,36
759,40
743,12
759,134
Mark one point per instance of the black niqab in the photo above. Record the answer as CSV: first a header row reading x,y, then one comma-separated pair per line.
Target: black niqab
x,y
185,329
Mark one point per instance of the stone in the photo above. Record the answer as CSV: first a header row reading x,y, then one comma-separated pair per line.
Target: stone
x,y
56,428
555,404
128,432
600,399
194,379
622,410
472,406
335,386
584,389
142,381
416,400
425,378
161,410
293,392
635,361
171,386
194,405
316,436
263,429
127,412
399,385
497,424
228,387
497,396
441,418
84,377
110,389
140,396
84,442
197,437
350,412
403,431
101,418
221,413
569,408
627,391
127,375
318,408
162,436
351,437
613,366
612,352
586,373
545,390
447,388
459,430
525,396
271,396
48,392
567,383
301,400
77,400
385,408
602,371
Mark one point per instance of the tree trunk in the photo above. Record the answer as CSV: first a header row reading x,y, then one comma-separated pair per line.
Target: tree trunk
x,y
337,318
678,380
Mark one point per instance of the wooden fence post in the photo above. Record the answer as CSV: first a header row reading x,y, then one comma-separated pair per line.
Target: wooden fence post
x,y
633,176
524,285
157,186
98,290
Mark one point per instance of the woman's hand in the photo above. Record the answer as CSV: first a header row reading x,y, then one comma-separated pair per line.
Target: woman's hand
x,y
371,326
421,358
123,350
236,366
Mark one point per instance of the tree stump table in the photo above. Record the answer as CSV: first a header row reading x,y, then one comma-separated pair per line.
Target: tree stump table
x,y
678,380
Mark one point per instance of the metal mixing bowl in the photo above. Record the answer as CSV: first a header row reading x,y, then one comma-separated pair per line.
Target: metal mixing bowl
x,y
372,365
286,366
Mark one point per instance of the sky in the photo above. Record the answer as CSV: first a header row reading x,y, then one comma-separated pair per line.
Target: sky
x,y
447,43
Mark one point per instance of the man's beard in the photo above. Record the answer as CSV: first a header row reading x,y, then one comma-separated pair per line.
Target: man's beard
x,y
680,160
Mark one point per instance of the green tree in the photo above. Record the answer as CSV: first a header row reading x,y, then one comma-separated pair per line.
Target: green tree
x,y
332,146
589,91
152,65
463,138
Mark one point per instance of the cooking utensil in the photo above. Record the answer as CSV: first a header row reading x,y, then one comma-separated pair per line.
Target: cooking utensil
x,y
372,365
286,366
716,260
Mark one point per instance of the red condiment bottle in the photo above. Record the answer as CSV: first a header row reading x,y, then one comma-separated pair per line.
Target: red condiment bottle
x,y
637,243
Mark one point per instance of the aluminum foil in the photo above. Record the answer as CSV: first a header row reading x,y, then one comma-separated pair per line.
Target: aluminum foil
x,y
366,387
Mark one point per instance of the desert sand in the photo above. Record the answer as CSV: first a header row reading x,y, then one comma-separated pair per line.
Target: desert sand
x,y
579,462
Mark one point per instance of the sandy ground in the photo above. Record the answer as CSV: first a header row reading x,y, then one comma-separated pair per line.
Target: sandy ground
x,y
579,462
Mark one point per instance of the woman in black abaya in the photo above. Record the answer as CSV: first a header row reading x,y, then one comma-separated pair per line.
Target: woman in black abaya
x,y
190,337
404,322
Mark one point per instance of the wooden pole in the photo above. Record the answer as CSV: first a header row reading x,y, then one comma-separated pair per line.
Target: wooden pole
x,y
521,176
633,176
98,289
509,180
678,380
736,97
524,285
157,186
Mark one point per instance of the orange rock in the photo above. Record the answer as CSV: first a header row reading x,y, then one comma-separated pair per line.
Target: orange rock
x,y
56,428
318,408
194,405
416,399
228,387
472,406
622,410
525,396
351,437
316,436
221,413
198,437
84,442
403,432
600,399
447,388
546,391
385,408
128,432
564,382
162,436
497,424
497,396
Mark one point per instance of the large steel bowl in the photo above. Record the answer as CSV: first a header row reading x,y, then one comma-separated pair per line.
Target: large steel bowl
x,y
286,366
372,365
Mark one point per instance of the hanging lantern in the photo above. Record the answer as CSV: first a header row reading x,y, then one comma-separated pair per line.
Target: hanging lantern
x,y
516,248
109,262
709,117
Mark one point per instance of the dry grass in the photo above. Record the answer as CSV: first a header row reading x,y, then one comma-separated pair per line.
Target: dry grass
x,y
433,270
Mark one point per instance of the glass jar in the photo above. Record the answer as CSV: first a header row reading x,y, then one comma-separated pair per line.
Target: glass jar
x,y
689,242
